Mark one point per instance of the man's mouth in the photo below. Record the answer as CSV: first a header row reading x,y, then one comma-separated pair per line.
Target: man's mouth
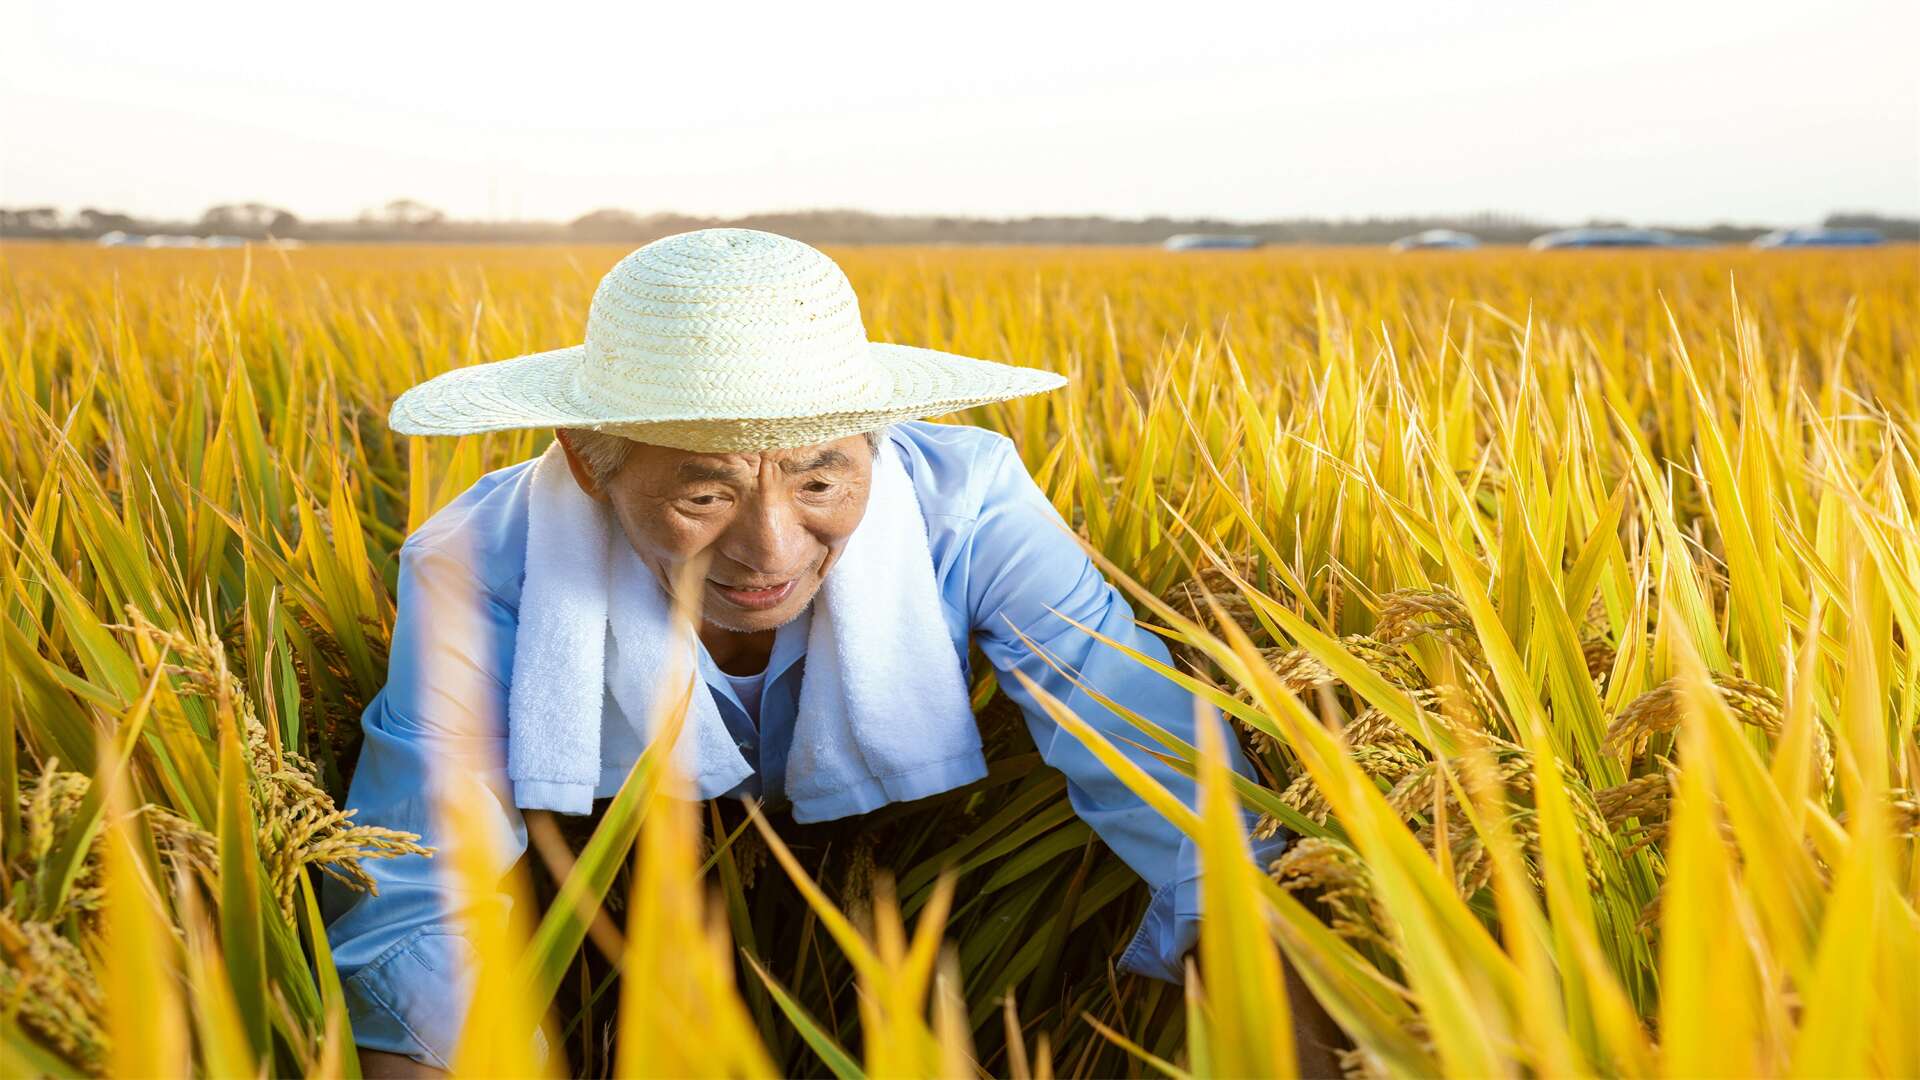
x,y
753,599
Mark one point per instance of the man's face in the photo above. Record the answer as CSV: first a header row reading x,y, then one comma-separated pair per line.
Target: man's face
x,y
771,523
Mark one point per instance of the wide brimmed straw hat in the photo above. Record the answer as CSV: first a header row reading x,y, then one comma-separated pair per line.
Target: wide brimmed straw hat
x,y
716,340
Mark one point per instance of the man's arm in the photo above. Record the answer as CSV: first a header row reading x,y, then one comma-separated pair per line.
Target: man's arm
x,y
380,1065
438,725
1020,563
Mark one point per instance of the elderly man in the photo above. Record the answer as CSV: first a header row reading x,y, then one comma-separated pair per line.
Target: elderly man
x,y
727,412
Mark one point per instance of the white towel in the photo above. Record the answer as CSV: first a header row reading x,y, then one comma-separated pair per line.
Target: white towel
x,y
883,711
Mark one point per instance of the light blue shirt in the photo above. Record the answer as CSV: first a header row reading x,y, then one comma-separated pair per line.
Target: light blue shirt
x,y
1000,554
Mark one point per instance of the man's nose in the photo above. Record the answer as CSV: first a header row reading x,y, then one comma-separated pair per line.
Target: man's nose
x,y
767,539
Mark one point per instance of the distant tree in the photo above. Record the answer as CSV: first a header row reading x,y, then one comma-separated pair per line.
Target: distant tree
x,y
410,214
250,219
1893,228
608,225
32,220
105,221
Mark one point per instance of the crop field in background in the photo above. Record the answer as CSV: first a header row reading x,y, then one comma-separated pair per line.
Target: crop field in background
x,y
1565,602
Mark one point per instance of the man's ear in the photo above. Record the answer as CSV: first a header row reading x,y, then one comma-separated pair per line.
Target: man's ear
x,y
581,474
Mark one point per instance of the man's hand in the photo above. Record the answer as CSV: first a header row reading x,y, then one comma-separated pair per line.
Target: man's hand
x,y
379,1063
1317,1040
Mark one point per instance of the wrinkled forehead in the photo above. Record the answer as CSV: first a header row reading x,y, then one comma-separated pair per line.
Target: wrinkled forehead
x,y
672,463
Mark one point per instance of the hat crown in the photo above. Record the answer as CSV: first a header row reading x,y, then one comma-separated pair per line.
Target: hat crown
x,y
728,319
716,341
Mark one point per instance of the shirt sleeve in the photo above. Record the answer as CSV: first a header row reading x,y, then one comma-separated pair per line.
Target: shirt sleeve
x,y
1020,563
438,725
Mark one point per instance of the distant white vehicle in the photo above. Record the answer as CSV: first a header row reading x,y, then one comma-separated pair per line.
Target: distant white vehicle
x,y
172,241
116,238
223,241
1612,238
1817,236
1206,241
1436,240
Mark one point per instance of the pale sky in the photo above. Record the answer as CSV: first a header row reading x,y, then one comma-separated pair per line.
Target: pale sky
x,y
1674,111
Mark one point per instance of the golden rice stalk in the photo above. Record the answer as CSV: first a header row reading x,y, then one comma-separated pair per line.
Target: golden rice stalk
x,y
296,821
46,983
1658,712
50,807
1407,614
1646,798
1190,596
1332,873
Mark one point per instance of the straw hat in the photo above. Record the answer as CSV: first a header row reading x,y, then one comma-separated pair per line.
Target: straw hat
x,y
716,340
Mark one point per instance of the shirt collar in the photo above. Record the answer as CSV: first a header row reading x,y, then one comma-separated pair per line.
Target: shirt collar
x,y
710,674
789,645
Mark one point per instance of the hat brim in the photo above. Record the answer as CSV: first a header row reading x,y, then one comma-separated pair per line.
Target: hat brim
x,y
539,390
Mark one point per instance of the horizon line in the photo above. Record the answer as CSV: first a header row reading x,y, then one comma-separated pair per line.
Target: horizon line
x,y
1509,218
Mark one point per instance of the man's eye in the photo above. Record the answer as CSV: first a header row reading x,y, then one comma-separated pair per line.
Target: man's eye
x,y
704,500
818,486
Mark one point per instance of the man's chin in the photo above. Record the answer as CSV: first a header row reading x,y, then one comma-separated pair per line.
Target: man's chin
x,y
718,612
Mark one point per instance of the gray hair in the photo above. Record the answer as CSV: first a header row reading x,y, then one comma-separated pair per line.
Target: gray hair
x,y
604,452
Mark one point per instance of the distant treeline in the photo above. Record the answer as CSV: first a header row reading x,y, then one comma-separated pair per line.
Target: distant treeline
x,y
407,221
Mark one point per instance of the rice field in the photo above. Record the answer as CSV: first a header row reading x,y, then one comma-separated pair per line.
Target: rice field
x,y
1565,602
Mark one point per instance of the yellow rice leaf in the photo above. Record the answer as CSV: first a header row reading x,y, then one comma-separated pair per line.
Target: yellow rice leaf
x,y
1251,1025
146,1020
1711,1011
498,1037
